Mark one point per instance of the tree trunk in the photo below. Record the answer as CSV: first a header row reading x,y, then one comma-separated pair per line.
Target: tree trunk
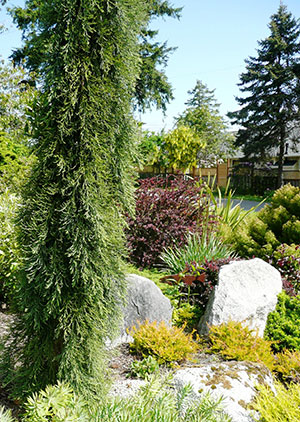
x,y
280,159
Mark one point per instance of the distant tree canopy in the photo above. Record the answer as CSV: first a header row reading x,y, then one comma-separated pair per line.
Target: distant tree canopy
x,y
16,100
182,147
151,88
200,137
202,116
271,87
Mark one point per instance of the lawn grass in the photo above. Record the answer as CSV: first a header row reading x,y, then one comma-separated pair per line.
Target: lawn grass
x,y
250,197
153,274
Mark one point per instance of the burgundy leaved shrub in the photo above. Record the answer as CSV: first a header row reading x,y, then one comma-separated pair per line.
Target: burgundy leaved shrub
x,y
166,210
196,282
286,258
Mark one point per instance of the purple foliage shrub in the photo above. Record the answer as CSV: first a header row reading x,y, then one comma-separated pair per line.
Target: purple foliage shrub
x,y
286,259
196,283
166,210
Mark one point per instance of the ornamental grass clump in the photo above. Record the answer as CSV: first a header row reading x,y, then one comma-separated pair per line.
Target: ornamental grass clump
x,y
236,341
168,345
199,248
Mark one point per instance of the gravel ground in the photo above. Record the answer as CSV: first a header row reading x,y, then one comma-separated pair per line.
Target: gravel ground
x,y
5,320
120,364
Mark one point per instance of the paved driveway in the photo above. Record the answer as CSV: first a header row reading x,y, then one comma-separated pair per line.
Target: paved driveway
x,y
246,205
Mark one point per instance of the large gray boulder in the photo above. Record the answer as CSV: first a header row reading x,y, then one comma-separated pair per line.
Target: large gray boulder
x,y
235,381
246,291
145,301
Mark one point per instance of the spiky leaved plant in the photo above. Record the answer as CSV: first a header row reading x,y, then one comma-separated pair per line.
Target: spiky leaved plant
x,y
71,286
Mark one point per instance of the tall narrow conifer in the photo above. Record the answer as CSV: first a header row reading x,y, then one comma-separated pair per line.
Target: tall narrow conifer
x,y
71,225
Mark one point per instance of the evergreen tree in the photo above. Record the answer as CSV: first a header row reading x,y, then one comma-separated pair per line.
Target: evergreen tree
x,y
152,86
71,228
270,108
202,115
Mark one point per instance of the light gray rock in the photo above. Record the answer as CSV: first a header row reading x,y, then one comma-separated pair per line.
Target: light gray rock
x,y
234,381
126,388
246,291
145,301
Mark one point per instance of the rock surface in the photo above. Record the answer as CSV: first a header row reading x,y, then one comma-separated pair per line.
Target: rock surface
x,y
145,301
235,381
246,291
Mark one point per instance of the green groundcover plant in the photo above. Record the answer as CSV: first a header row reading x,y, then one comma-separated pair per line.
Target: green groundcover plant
x,y
155,402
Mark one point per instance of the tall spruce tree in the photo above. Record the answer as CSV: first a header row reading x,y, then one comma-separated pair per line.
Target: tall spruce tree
x,y
270,109
71,287
202,115
152,86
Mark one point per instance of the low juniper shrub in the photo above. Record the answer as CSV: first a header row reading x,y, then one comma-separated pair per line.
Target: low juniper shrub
x,y
283,324
166,210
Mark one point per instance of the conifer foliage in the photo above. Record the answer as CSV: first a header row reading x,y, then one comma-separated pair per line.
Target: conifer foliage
x,y
270,109
71,286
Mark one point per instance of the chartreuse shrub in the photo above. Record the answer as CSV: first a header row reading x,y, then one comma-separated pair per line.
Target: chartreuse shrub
x,y
71,287
284,406
236,341
169,345
261,233
283,324
287,366
166,210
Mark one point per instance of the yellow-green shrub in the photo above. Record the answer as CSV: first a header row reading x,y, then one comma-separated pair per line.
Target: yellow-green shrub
x,y
167,344
287,365
282,407
236,341
277,223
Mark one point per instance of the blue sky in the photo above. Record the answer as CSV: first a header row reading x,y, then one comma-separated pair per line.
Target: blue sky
x,y
213,38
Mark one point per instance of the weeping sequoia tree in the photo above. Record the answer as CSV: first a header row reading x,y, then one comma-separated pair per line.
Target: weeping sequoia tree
x,y
71,287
